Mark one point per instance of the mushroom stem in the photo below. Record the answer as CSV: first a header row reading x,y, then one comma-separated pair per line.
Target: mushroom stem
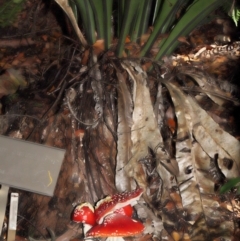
x,y
86,227
115,239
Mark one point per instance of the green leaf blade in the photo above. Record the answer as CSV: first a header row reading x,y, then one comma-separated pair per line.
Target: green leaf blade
x,y
196,13
229,185
163,21
97,8
87,16
107,21
129,13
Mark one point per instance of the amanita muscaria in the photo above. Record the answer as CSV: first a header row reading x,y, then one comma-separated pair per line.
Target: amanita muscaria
x,y
112,216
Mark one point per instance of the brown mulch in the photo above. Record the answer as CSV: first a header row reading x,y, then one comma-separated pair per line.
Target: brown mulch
x,y
40,45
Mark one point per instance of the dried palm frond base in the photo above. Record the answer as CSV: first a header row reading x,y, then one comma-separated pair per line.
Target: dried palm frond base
x,y
170,131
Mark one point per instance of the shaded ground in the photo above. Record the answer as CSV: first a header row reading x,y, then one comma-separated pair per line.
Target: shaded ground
x,y
48,65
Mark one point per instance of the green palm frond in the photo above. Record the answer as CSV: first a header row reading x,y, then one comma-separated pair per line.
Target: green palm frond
x,y
232,8
235,14
232,183
195,14
173,18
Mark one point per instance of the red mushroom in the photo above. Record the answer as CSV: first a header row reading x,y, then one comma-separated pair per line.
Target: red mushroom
x,y
110,204
84,214
112,216
80,133
116,225
127,211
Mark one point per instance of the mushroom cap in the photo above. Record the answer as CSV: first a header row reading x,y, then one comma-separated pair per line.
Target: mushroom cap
x,y
79,133
110,204
84,213
116,225
127,210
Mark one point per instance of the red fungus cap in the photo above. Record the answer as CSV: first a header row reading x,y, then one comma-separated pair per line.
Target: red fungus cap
x,y
116,225
84,213
79,133
127,211
110,204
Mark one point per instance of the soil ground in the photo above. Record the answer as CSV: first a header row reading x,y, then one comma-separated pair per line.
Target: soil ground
x,y
39,59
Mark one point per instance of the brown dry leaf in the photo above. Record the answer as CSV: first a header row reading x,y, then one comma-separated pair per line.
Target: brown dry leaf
x,y
191,199
127,40
16,43
214,139
18,238
183,39
85,57
202,149
68,10
124,143
44,37
98,47
144,131
211,86
10,81
20,57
